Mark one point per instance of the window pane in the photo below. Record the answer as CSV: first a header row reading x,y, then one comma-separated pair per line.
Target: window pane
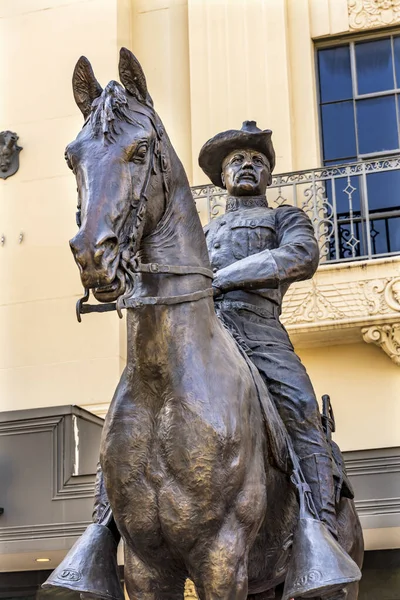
x,y
396,44
338,132
383,191
350,237
394,234
335,74
377,124
379,236
374,66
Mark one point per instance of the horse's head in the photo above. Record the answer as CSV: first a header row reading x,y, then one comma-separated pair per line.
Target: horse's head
x,y
120,159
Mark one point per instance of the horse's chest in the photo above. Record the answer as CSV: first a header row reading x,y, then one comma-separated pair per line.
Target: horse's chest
x,y
162,469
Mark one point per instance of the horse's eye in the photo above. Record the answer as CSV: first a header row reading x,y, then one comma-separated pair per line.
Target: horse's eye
x,y
139,153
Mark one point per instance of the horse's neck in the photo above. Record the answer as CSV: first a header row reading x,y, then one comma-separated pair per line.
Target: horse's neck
x,y
178,239
159,337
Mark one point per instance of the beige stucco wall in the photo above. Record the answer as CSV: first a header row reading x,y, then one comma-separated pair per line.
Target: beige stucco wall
x,y
46,357
364,385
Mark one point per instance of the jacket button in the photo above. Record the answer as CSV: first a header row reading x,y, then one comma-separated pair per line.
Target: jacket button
x,y
217,245
215,269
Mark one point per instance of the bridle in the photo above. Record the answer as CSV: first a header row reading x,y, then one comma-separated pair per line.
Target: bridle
x,y
82,305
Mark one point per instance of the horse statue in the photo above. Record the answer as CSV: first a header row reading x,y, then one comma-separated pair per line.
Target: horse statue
x,y
196,462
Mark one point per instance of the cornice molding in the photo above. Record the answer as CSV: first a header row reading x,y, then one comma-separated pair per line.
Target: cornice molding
x,y
65,483
379,506
43,531
366,14
373,465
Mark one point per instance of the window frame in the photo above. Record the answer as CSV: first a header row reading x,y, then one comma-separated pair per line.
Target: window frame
x,y
350,40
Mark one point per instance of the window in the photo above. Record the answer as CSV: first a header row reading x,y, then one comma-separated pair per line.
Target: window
x,y
359,89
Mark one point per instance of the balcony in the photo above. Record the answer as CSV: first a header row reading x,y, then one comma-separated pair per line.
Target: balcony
x,y
354,207
355,210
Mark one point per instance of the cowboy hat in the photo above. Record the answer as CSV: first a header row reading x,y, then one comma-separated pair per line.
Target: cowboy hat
x,y
217,148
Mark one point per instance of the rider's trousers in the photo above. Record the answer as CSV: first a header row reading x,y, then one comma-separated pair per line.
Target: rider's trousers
x,y
292,392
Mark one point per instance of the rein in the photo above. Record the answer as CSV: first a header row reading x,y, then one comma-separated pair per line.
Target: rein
x,y
82,306
155,268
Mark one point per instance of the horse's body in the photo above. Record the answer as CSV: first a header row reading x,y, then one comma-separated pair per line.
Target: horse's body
x,y
184,449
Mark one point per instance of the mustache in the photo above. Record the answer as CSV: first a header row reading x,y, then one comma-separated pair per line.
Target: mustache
x,y
249,172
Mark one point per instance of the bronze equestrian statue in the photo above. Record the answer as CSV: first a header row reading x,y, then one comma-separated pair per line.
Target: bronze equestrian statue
x,y
198,474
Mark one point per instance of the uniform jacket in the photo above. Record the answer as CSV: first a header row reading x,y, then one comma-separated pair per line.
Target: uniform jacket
x,y
261,251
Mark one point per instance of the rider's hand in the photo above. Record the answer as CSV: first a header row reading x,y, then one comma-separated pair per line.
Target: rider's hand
x,y
216,291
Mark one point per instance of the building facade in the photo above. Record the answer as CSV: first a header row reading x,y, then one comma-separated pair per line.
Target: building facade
x,y
324,75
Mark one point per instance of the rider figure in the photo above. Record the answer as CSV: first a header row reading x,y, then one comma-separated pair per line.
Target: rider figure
x,y
256,253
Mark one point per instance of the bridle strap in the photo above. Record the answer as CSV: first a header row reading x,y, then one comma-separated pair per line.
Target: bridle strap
x,y
166,300
173,270
83,308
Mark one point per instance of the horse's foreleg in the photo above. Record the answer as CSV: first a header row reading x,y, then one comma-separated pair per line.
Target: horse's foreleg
x,y
219,568
149,583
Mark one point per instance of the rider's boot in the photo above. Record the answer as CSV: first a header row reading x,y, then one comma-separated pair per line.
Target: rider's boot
x,y
102,513
90,568
317,470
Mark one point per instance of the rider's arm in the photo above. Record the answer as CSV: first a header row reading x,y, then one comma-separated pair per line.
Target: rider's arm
x,y
296,257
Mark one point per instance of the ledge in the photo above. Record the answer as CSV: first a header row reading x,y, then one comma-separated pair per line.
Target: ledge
x,y
346,303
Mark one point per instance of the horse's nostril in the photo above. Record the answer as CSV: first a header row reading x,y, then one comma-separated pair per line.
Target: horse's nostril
x,y
108,242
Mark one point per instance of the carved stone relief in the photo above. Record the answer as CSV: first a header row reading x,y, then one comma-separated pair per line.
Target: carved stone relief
x,y
347,304
386,337
341,301
365,14
9,154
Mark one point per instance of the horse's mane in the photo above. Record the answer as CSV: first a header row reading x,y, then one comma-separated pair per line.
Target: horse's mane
x,y
110,109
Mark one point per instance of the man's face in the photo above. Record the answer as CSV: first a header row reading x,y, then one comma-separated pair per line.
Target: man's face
x,y
246,173
396,291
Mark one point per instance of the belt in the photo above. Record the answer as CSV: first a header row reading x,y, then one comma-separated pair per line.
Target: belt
x,y
267,311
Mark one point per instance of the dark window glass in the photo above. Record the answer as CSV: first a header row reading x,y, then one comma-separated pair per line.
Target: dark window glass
x,y
394,234
347,197
396,46
335,74
339,139
350,239
383,191
379,233
377,124
374,66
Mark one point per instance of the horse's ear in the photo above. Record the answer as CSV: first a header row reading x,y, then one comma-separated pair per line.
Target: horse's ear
x,y
132,76
85,85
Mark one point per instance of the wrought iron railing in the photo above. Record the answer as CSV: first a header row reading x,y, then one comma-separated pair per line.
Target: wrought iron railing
x,y
354,207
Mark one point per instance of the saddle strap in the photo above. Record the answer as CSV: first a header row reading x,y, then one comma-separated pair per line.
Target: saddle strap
x,y
173,269
165,300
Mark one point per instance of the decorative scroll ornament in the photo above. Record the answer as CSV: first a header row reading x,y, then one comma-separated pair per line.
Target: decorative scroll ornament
x,y
392,294
364,14
343,302
9,154
386,337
